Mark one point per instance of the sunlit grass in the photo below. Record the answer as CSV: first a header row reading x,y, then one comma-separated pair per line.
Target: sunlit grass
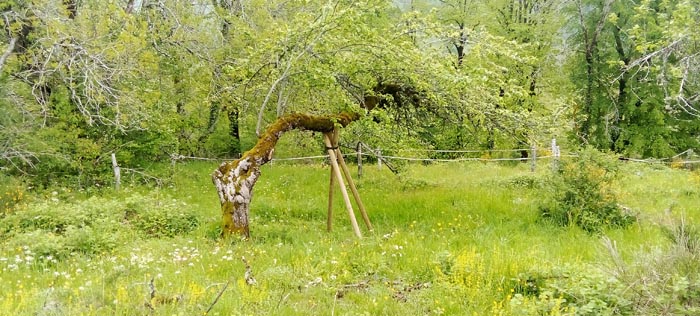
x,y
447,239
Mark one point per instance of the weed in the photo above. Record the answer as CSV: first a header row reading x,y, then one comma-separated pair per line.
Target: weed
x,y
582,195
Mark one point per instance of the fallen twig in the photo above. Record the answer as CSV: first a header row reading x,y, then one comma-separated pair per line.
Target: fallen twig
x,y
218,296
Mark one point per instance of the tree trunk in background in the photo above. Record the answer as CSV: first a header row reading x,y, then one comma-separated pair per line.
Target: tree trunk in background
x,y
234,131
234,180
591,34
622,87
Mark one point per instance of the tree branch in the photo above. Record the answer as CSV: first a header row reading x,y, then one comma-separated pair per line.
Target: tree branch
x,y
10,48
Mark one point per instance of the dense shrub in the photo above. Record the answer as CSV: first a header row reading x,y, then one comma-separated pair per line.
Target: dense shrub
x,y
658,282
12,193
55,229
523,182
162,219
580,193
89,240
46,246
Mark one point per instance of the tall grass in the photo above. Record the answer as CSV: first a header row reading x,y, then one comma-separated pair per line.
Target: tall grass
x,y
453,239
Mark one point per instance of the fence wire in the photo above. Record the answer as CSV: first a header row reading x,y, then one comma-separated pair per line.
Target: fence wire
x,y
375,155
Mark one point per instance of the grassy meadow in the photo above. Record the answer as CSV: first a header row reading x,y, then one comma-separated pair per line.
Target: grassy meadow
x,y
449,239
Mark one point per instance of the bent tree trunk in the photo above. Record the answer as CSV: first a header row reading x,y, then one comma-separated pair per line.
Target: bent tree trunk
x,y
234,180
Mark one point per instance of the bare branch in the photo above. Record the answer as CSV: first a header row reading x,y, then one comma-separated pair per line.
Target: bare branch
x,y
647,58
10,48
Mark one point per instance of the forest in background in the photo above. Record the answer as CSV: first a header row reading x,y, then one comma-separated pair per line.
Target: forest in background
x,y
150,80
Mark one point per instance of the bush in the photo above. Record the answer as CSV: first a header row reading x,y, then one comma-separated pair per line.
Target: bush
x,y
162,220
12,193
90,240
46,246
523,182
580,290
658,282
581,194
93,226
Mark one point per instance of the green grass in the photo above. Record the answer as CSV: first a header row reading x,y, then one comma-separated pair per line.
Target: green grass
x,y
454,239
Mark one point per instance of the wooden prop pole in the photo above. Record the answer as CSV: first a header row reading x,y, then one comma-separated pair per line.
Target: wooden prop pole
x,y
343,190
329,223
348,177
359,159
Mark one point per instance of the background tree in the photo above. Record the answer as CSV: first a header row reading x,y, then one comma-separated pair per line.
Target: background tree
x,y
148,79
625,104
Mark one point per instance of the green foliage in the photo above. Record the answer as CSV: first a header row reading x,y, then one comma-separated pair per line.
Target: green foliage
x,y
575,290
12,193
524,182
656,282
462,241
162,219
50,227
582,194
638,115
145,84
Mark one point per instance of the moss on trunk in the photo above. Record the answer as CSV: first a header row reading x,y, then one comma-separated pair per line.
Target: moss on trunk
x,y
234,180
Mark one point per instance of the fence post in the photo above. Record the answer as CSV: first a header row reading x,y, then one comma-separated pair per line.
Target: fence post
x,y
359,159
533,161
117,172
379,158
173,162
555,155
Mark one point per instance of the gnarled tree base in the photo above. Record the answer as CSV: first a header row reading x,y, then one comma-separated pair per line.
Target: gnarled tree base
x,y
234,180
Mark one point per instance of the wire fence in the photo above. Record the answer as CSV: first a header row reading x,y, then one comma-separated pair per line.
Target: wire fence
x,y
686,158
373,154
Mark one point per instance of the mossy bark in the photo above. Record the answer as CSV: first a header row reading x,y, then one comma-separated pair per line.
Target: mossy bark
x,y
234,180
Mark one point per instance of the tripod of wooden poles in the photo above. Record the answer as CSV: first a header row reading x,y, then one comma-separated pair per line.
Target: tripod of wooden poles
x,y
338,164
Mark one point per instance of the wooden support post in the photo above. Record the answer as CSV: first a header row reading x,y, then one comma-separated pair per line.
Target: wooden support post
x,y
359,159
533,161
379,159
117,172
348,177
329,223
343,190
